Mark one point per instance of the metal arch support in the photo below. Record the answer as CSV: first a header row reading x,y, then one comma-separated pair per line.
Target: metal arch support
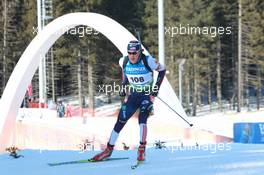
x,y
39,46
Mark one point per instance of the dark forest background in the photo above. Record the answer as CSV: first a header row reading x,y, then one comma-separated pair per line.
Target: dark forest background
x,y
80,63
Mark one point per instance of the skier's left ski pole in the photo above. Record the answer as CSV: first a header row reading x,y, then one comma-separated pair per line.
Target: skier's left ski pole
x,y
175,112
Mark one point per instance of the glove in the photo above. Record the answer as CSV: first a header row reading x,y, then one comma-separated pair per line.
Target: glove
x,y
154,93
122,92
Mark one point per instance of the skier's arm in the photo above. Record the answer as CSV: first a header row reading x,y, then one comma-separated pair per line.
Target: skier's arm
x,y
155,65
160,78
122,91
124,79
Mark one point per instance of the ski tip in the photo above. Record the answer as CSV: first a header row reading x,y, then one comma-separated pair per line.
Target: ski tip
x,y
53,164
133,167
136,165
92,160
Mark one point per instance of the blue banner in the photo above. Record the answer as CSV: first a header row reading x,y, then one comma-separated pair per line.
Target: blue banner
x,y
248,132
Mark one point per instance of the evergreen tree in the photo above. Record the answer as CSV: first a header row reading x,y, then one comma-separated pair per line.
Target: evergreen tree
x,y
150,33
211,68
253,38
11,20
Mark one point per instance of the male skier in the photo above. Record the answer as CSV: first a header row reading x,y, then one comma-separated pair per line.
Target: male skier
x,y
137,71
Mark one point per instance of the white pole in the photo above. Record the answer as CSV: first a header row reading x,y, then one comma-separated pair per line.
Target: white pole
x,y
43,13
239,71
39,14
182,61
43,16
161,32
41,94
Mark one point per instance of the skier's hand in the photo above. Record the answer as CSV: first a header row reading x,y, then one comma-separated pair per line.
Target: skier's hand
x,y
122,92
154,93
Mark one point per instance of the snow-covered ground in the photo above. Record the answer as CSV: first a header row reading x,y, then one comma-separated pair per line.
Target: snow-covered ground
x,y
221,159
222,123
37,129
219,123
181,156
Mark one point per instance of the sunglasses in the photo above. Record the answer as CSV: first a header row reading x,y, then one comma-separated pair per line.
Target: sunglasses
x,y
132,53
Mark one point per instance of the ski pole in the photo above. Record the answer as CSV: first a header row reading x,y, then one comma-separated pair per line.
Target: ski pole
x,y
175,112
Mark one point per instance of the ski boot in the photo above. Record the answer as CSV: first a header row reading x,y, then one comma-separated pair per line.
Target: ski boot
x,y
104,154
141,151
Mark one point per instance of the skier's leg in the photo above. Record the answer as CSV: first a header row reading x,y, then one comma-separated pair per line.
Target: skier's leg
x,y
145,108
126,111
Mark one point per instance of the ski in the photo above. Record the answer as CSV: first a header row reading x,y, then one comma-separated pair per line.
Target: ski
x,y
136,165
86,161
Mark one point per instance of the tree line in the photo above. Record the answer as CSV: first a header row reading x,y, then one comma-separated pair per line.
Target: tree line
x,y
205,33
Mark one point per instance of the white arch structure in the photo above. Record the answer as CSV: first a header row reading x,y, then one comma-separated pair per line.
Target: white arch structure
x,y
39,46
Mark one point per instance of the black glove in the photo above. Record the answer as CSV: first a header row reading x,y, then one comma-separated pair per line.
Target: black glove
x,y
154,93
122,92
